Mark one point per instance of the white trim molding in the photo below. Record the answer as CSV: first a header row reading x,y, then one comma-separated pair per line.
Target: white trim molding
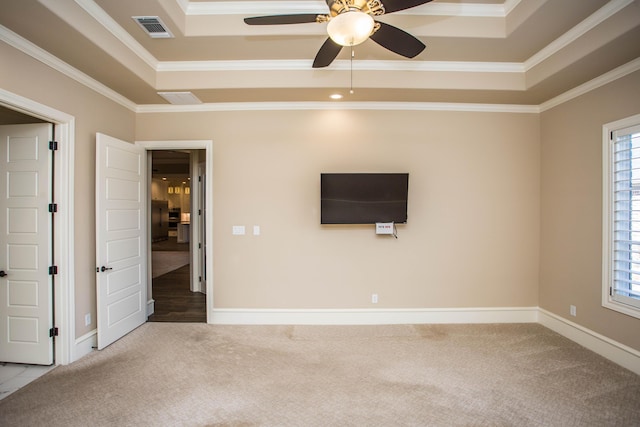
x,y
591,22
86,344
621,354
328,105
320,7
224,316
39,54
606,78
151,307
207,145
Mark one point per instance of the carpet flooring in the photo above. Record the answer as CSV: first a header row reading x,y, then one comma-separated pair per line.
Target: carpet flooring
x,y
167,374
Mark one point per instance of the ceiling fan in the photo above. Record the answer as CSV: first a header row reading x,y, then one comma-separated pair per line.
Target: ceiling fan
x,y
351,22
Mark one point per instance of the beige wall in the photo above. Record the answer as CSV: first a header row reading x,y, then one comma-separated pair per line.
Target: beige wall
x,y
472,238
93,113
571,207
504,209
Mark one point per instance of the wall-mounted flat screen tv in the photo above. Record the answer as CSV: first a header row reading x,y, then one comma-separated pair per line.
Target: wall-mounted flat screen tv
x,y
363,198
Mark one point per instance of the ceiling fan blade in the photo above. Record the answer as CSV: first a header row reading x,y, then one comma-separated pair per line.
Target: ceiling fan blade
x,y
327,54
397,40
391,6
303,18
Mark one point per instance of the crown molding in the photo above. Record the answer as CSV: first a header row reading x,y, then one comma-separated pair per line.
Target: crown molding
x,y
510,5
611,8
104,19
606,78
338,105
253,7
320,7
30,49
592,21
266,7
360,65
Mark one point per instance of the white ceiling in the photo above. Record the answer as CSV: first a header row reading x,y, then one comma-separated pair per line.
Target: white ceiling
x,y
523,52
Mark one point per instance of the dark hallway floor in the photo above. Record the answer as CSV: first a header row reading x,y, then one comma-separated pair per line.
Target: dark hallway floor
x,y
174,301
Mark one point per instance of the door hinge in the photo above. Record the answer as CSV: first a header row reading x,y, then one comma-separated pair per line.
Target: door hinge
x,y
199,179
53,270
53,332
53,145
53,207
199,278
199,212
610,291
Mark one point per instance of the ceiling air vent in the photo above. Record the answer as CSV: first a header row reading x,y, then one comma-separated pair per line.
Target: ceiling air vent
x,y
180,98
153,26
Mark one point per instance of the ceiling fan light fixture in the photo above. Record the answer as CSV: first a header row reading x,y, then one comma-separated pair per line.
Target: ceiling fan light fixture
x,y
350,28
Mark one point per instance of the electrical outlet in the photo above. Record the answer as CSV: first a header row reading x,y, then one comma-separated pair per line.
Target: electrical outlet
x,y
374,298
572,310
87,319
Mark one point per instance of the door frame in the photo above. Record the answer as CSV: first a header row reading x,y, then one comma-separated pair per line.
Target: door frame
x,y
65,350
207,146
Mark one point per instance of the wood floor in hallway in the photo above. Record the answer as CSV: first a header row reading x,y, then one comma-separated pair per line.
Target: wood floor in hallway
x,y
174,301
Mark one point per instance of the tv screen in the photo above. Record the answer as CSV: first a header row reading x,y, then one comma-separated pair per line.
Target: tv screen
x,y
363,198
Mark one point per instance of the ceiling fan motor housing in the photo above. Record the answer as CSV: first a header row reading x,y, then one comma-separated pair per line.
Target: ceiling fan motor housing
x,y
370,7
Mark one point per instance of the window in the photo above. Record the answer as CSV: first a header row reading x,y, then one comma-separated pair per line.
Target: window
x,y
621,215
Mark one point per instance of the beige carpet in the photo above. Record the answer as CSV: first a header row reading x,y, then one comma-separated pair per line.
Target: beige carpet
x,y
167,374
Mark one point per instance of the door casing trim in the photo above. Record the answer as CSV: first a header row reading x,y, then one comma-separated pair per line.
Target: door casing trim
x,y
64,305
207,146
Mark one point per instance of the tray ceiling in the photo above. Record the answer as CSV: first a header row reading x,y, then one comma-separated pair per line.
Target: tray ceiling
x,y
522,52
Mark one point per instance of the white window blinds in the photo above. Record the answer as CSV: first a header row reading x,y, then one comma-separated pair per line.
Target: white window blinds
x,y
624,223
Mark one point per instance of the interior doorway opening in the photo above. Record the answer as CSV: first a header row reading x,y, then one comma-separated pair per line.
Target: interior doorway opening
x,y
176,283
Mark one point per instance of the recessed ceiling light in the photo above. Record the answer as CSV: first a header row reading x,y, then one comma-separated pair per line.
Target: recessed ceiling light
x,y
335,96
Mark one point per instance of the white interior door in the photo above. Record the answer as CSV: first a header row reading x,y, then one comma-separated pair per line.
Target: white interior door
x,y
121,236
25,244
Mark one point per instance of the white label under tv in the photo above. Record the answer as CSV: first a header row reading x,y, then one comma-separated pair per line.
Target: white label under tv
x,y
384,228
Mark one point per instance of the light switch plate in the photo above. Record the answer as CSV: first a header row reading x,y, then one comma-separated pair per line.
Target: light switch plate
x,y
238,230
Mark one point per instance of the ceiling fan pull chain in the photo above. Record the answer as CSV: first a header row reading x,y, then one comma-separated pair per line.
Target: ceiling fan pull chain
x,y
351,63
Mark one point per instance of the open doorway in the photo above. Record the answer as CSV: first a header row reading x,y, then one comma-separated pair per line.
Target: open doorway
x,y
176,298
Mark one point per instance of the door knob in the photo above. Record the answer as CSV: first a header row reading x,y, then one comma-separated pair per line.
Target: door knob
x,y
103,268
2,273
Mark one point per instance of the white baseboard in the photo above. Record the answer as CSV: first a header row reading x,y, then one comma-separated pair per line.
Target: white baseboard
x,y
618,353
151,307
85,345
374,316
